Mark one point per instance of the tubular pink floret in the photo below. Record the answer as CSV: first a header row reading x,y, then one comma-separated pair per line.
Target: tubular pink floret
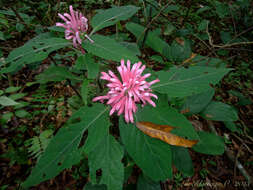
x,y
125,93
75,24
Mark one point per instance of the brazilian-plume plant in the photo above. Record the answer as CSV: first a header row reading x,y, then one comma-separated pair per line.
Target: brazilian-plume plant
x,y
152,133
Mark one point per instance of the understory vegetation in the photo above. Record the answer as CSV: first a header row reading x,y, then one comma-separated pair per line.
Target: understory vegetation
x,y
120,94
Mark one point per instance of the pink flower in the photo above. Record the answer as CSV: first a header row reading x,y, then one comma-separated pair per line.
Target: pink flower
x,y
75,24
123,95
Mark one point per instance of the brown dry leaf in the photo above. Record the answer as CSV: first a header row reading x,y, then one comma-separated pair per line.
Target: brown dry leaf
x,y
162,132
193,55
180,41
185,111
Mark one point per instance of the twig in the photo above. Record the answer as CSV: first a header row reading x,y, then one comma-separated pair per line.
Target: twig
x,y
146,32
212,51
230,9
232,157
144,10
187,13
117,28
244,144
158,14
150,2
236,160
226,45
73,88
243,32
238,49
57,7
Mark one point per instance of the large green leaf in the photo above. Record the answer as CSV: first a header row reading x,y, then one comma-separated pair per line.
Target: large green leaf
x,y
181,82
91,65
218,111
209,144
107,155
89,186
109,49
194,104
34,50
111,16
182,160
56,74
62,151
152,40
178,52
145,183
84,91
151,155
165,115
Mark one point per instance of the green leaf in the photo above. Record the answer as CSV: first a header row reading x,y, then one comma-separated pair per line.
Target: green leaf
x,y
109,49
169,29
21,113
62,151
181,82
203,25
107,155
132,47
209,144
6,117
5,101
165,115
111,16
38,144
178,52
151,155
242,99
89,186
208,61
2,36
91,65
182,160
34,50
152,40
20,27
231,126
56,74
12,89
147,184
218,111
222,9
17,96
84,91
80,63
198,102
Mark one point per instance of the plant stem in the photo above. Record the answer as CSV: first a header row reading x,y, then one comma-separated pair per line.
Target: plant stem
x,y
146,32
232,157
73,88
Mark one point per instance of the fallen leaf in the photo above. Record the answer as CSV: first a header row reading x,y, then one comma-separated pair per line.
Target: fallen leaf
x,y
187,110
193,55
162,132
180,41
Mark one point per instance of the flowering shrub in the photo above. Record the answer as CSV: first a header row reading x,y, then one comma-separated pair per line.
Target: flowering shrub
x,y
124,91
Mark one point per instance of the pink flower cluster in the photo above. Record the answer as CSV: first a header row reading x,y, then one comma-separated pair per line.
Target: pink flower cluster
x,y
75,23
123,96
